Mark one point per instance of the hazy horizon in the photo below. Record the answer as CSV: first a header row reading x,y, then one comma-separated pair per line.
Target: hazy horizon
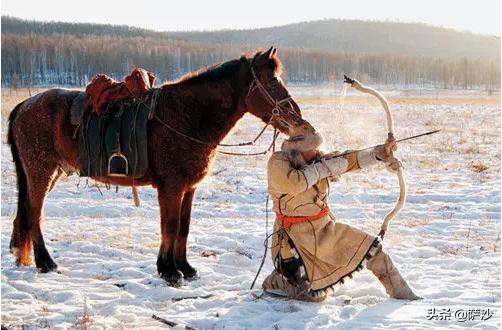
x,y
261,27
481,17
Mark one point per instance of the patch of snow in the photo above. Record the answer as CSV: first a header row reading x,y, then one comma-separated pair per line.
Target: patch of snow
x,y
446,242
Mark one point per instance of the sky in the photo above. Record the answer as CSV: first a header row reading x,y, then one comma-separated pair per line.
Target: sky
x,y
479,16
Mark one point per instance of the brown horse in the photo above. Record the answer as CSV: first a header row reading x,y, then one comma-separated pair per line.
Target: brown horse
x,y
193,115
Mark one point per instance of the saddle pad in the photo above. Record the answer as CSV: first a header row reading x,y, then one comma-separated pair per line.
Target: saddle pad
x,y
77,108
121,127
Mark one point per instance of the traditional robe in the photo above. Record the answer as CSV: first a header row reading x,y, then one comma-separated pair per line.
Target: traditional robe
x,y
328,249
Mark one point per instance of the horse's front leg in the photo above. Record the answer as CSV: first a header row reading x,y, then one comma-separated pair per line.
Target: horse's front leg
x,y
170,207
180,250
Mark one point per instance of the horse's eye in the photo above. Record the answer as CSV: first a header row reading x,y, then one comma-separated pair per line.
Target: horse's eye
x,y
275,84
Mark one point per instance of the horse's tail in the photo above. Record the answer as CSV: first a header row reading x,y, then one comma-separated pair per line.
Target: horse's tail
x,y
22,183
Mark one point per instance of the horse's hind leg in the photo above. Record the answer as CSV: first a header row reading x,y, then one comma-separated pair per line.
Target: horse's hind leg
x,y
20,241
38,187
28,220
31,135
39,179
180,250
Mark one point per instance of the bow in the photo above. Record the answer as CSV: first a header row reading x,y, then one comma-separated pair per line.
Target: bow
x,y
393,165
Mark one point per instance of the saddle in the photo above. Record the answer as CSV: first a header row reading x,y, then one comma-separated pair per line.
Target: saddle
x,y
112,119
104,89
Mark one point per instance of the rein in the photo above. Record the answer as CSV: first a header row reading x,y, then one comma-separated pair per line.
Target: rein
x,y
271,147
191,138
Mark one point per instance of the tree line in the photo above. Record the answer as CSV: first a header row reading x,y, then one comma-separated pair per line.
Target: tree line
x,y
49,59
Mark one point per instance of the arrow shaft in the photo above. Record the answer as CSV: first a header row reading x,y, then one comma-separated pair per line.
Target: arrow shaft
x,y
397,141
418,135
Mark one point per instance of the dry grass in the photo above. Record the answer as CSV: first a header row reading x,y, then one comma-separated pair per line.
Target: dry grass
x,y
477,167
456,250
428,163
399,100
416,222
85,321
12,97
208,254
360,123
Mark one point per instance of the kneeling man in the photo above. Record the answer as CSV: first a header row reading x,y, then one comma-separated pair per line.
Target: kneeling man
x,y
310,250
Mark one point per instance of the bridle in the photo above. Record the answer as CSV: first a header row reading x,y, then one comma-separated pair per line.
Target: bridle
x,y
279,112
278,106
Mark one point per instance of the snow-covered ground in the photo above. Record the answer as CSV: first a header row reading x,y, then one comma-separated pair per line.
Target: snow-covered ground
x,y
446,241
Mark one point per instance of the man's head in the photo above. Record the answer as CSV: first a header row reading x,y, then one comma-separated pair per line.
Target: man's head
x,y
304,140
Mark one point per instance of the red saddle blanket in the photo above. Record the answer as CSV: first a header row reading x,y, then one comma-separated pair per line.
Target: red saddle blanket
x,y
103,89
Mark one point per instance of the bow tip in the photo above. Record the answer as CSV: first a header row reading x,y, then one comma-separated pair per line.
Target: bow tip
x,y
348,80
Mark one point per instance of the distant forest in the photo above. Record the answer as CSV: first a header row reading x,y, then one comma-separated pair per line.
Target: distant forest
x,y
48,54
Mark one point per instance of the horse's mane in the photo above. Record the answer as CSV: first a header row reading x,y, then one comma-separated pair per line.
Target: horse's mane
x,y
212,72
225,69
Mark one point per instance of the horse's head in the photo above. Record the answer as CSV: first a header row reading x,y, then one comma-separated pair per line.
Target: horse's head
x,y
267,97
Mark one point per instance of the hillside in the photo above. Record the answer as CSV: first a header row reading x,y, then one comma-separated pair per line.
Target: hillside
x,y
19,26
362,36
333,35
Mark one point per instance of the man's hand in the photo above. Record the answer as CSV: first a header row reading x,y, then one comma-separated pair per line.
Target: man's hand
x,y
384,152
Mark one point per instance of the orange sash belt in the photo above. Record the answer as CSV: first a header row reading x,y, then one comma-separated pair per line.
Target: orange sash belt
x,y
287,221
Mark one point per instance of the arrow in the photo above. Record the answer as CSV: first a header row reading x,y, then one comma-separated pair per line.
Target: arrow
x,y
400,140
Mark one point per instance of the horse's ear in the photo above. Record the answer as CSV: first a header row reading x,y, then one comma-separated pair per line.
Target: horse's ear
x,y
270,52
263,57
274,52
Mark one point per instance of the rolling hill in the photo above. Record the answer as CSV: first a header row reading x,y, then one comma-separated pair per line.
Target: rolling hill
x,y
337,35
332,35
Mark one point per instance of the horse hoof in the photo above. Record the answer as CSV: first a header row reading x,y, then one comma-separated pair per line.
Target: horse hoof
x,y
175,280
20,262
189,273
191,276
47,266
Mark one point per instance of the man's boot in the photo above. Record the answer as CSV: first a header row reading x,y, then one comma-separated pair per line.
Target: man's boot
x,y
395,285
277,282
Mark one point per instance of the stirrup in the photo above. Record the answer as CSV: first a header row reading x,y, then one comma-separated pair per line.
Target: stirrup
x,y
119,161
